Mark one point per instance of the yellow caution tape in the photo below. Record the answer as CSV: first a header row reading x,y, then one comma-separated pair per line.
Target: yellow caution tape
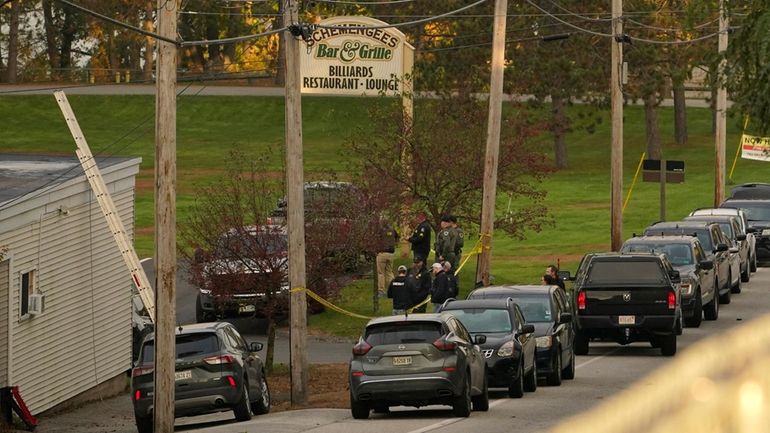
x,y
328,304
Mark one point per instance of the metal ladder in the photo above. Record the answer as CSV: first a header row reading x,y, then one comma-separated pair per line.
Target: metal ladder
x,y
107,206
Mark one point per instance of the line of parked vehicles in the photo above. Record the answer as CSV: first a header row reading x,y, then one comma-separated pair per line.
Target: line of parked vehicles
x,y
672,276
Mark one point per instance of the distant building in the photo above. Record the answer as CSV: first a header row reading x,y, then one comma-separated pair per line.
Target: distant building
x,y
65,294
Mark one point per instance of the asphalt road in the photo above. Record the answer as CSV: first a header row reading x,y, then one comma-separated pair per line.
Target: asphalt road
x,y
607,369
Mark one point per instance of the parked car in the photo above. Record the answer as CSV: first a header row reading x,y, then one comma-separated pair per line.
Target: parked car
x,y
751,191
698,279
548,308
714,244
744,224
417,360
732,231
320,197
236,275
216,371
626,298
758,217
510,349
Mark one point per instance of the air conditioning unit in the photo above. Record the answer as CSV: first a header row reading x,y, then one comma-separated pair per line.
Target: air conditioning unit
x,y
36,303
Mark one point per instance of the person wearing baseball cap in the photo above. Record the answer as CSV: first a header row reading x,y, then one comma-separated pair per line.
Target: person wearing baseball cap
x,y
439,291
401,291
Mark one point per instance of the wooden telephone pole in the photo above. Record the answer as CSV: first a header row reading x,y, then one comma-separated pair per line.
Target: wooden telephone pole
x,y
165,219
493,141
295,213
721,120
616,168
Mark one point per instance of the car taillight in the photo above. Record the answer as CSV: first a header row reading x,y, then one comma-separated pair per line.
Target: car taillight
x,y
671,300
361,348
442,344
581,301
231,381
141,371
356,373
220,359
137,395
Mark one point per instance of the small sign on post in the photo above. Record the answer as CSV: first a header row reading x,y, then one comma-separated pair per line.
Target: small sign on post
x,y
674,173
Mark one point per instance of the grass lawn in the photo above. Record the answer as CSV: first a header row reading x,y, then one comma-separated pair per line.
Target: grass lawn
x,y
208,127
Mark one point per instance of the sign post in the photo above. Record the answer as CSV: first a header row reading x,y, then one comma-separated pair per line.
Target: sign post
x,y
673,173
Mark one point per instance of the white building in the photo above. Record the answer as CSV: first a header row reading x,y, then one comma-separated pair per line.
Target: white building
x,y
55,242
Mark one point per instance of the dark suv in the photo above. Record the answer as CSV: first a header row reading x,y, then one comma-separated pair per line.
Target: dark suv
x,y
758,217
627,298
417,360
216,371
549,309
714,244
699,296
510,346
732,231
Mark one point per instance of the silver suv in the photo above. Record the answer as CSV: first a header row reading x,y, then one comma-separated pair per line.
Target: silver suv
x,y
417,360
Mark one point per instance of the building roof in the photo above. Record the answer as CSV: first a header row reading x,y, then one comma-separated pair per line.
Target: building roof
x,y
22,174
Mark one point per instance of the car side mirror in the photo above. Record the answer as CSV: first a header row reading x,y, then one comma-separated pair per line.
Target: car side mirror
x,y
565,318
528,328
479,339
675,277
741,237
564,275
706,264
720,248
255,347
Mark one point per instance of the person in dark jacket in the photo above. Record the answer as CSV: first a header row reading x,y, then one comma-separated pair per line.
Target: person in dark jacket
x,y
420,239
454,289
553,271
420,279
401,291
439,291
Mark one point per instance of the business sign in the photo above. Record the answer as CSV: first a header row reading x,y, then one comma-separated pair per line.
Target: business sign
x,y
755,147
353,56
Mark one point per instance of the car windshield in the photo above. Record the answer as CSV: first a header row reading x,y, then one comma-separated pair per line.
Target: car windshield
x,y
402,333
187,345
483,320
536,308
756,213
678,254
630,271
703,235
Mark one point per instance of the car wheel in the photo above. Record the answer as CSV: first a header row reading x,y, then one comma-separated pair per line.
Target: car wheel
x,y
746,274
144,424
668,345
262,406
679,324
581,344
736,288
753,262
554,379
725,299
697,312
481,401
358,409
516,388
569,371
711,310
242,410
461,405
530,380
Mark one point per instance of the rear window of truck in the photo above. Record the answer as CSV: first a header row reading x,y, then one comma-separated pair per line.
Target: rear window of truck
x,y
626,272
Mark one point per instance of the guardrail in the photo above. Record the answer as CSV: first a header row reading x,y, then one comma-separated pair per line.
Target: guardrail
x,y
719,385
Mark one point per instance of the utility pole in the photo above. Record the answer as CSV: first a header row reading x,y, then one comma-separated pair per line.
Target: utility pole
x,y
616,168
295,213
165,219
721,126
493,141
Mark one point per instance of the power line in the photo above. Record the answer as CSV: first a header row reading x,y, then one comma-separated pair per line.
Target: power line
x,y
409,23
582,17
374,2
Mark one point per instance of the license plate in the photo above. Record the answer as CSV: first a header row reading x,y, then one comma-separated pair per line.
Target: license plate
x,y
626,320
246,308
183,375
402,360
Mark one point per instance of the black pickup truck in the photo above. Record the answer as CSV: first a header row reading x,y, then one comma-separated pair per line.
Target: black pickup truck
x,y
627,298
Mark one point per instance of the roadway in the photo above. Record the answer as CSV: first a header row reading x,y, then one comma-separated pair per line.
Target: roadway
x,y
608,369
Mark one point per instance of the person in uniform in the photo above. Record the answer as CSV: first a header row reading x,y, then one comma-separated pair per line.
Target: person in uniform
x,y
419,278
384,260
454,289
420,239
445,241
401,291
459,243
